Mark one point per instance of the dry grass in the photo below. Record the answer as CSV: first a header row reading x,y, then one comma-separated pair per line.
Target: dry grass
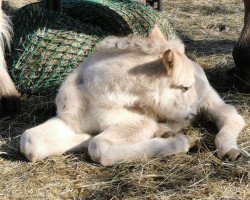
x,y
210,30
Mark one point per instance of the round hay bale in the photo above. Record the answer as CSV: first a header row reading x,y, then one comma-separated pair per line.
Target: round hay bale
x,y
48,45
117,17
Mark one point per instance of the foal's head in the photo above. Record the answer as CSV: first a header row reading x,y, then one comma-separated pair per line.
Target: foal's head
x,y
177,67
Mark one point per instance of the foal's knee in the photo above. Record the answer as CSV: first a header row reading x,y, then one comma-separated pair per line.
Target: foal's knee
x,y
230,117
98,150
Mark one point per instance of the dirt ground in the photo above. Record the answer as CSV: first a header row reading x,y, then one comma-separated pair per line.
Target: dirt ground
x,y
209,29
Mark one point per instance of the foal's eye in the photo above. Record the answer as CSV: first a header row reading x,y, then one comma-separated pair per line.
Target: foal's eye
x,y
184,89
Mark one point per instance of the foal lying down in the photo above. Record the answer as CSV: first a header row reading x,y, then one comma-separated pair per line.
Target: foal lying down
x,y
121,100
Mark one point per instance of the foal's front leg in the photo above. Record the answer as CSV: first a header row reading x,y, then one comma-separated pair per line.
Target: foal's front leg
x,y
229,123
52,137
133,140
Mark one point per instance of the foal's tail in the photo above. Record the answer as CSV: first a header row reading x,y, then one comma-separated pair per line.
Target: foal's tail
x,y
9,96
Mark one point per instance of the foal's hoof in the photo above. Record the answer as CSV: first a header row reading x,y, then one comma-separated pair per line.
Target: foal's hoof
x,y
232,154
10,105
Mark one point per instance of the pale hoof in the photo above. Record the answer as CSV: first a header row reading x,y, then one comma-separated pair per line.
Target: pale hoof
x,y
232,154
183,141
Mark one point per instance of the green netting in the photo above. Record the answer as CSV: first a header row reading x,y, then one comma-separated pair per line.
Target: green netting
x,y
48,45
117,17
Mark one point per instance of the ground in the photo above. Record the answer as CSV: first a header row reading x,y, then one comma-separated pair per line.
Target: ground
x,y
209,29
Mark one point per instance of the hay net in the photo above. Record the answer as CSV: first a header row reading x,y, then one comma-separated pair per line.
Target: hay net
x,y
47,45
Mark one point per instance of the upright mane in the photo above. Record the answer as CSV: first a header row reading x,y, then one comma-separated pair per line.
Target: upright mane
x,y
145,45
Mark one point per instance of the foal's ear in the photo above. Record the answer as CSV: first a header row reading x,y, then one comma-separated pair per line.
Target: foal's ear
x,y
168,61
156,34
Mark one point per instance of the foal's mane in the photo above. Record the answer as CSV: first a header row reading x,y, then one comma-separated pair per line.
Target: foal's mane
x,y
139,44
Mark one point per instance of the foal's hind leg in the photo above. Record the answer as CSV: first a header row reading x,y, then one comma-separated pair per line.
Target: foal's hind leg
x,y
133,140
49,138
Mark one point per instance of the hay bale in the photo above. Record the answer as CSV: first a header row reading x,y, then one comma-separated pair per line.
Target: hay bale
x,y
48,45
117,17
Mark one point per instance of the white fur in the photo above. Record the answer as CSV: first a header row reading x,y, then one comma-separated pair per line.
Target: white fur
x,y
123,98
7,87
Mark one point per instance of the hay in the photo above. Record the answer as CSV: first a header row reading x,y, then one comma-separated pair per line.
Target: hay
x,y
49,45
197,175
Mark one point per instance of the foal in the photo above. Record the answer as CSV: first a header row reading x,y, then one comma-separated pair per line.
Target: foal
x,y
122,99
